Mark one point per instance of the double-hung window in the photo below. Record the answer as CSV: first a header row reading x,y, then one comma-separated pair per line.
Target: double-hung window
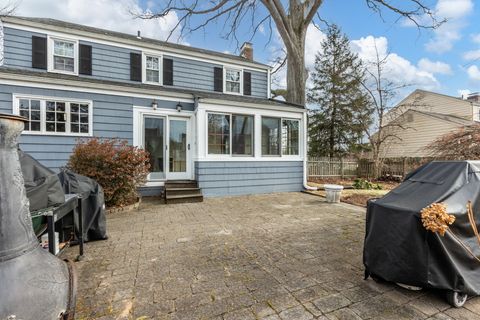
x,y
230,134
55,116
63,55
152,72
280,137
233,80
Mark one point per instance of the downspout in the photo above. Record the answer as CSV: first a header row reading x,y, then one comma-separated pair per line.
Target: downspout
x,y
305,152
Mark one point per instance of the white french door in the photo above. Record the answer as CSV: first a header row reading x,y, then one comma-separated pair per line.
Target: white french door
x,y
178,149
167,140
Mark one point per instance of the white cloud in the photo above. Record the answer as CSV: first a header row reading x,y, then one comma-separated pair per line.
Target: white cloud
x,y
473,73
472,55
107,14
397,69
434,67
476,38
447,34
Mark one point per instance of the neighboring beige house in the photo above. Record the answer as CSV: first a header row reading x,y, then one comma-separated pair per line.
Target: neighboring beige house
x,y
424,116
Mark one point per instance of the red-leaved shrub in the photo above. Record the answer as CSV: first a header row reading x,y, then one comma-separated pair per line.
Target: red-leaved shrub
x,y
118,167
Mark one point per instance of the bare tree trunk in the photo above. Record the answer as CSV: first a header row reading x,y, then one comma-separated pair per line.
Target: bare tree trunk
x,y
296,78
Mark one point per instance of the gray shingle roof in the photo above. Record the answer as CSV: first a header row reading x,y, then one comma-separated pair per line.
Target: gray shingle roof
x,y
132,38
155,89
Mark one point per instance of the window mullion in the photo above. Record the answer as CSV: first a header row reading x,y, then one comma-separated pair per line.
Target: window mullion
x,y
67,123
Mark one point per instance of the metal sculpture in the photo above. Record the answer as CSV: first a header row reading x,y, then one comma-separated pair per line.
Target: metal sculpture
x,y
34,284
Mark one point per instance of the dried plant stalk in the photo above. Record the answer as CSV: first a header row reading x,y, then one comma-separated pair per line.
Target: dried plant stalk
x,y
436,219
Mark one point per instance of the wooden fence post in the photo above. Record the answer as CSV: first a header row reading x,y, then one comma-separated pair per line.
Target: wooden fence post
x,y
342,171
404,166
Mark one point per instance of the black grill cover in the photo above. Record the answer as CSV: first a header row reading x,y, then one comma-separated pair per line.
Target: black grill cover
x,y
397,248
42,184
94,220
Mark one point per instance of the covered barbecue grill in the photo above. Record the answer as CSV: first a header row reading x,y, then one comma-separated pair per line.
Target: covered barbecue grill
x,y
399,249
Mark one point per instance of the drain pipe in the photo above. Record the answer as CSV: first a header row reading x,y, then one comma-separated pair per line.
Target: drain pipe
x,y
305,157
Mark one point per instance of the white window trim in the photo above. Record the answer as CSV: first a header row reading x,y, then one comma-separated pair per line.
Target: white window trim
x,y
286,156
50,50
231,155
225,67
16,110
144,67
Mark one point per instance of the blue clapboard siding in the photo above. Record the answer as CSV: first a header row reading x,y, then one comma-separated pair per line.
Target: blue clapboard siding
x,y
113,63
220,178
110,62
112,118
18,48
191,74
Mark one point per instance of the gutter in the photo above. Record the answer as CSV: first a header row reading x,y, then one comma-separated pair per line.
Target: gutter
x,y
305,158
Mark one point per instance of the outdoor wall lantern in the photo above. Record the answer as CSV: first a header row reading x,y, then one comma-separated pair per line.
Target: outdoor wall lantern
x,y
154,104
179,107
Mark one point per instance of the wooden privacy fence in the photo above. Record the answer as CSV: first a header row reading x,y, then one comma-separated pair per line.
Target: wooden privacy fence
x,y
324,167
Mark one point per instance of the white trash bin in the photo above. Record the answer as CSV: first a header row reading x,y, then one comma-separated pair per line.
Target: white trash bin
x,y
333,192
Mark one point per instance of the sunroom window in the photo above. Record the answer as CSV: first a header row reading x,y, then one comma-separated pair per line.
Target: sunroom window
x,y
230,129
242,135
152,69
218,133
63,55
290,137
53,116
280,137
233,80
271,136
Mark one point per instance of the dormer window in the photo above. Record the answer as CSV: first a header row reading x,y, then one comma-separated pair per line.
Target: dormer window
x,y
233,80
63,55
151,65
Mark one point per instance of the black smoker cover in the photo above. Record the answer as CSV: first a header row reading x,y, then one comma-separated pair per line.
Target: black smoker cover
x,y
398,249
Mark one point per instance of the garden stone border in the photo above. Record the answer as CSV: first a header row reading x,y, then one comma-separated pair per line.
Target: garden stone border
x,y
128,208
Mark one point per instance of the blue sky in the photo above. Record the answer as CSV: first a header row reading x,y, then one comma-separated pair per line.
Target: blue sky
x,y
445,60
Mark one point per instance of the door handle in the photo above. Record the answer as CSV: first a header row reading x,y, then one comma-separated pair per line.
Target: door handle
x,y
166,147
188,146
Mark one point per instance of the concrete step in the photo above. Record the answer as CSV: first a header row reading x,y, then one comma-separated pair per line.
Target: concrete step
x,y
182,191
189,198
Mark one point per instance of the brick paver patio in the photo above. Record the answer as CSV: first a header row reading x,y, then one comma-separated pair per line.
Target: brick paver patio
x,y
277,256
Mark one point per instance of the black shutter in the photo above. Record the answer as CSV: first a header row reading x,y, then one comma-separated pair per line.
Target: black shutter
x,y
167,72
39,52
218,79
135,66
247,83
85,59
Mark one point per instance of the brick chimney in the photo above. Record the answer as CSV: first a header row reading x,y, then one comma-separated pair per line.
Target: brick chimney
x,y
246,51
474,97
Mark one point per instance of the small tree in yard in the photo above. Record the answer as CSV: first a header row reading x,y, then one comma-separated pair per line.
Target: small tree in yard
x,y
119,168
342,107
463,144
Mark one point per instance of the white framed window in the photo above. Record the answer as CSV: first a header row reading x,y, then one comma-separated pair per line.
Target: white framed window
x,y
55,116
62,55
230,134
280,136
232,80
152,70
